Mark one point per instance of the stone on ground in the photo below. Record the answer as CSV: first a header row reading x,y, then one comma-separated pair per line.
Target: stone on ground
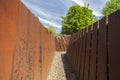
x,y
60,68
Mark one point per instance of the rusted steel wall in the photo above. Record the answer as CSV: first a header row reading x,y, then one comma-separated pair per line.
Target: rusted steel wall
x,y
62,42
26,47
94,52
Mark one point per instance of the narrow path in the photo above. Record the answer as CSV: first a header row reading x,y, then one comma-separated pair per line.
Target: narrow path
x,y
60,69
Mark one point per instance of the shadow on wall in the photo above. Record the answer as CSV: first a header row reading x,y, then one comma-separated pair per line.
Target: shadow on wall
x,y
67,68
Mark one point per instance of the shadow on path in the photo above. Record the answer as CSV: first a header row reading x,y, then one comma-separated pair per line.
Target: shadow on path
x,y
67,68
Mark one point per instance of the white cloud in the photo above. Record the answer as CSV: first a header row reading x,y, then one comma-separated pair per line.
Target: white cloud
x,y
49,22
49,13
45,16
42,12
81,3
37,10
97,13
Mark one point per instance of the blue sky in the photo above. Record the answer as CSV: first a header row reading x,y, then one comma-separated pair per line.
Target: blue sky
x,y
50,11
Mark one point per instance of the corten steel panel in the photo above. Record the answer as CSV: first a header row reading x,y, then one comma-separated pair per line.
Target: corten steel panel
x,y
47,53
34,45
114,45
93,53
83,56
80,53
67,39
60,48
56,44
61,43
64,43
102,51
77,55
76,51
8,36
87,56
23,68
29,55
73,56
43,53
31,48
52,50
69,51
20,39
78,58
72,51
60,40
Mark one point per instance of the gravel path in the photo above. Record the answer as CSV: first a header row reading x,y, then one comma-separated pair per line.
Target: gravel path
x,y
60,69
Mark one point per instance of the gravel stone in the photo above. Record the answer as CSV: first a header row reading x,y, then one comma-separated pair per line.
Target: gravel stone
x,y
60,68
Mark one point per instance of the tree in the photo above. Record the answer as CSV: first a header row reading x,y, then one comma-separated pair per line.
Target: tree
x,y
52,30
77,18
110,7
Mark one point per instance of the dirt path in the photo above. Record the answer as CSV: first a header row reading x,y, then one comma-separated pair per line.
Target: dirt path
x,y
60,69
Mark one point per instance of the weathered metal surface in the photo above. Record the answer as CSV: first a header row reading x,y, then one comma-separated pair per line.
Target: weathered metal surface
x,y
114,46
62,42
8,36
80,53
83,56
26,47
87,56
102,51
94,55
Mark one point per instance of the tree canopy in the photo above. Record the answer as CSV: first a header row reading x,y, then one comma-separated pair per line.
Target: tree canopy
x,y
52,30
110,7
77,18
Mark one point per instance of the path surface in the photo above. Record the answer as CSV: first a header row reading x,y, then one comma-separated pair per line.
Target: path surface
x,y
60,69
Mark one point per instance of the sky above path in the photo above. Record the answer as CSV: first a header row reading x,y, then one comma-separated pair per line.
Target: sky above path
x,y
50,11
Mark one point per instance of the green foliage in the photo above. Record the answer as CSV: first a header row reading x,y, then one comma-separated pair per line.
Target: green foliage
x,y
110,7
77,18
52,30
